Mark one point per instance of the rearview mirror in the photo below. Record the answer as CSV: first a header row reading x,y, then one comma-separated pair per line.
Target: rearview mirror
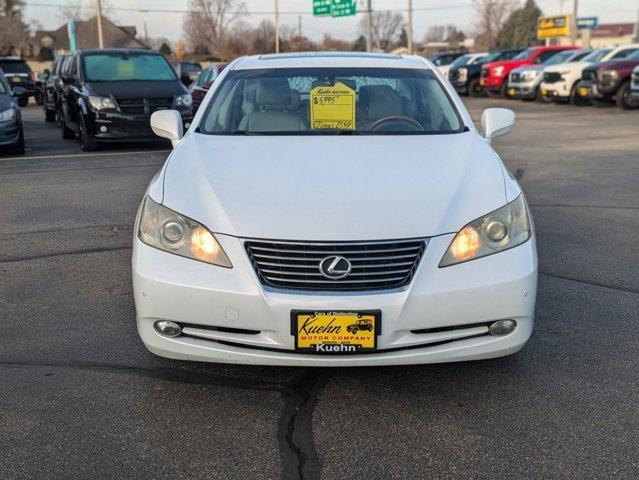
x,y
496,122
168,124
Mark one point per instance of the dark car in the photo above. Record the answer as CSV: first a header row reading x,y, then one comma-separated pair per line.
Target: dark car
x,y
607,82
11,133
18,73
466,79
201,86
109,95
446,58
187,71
48,91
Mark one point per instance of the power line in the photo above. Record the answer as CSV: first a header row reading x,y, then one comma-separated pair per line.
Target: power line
x,y
249,12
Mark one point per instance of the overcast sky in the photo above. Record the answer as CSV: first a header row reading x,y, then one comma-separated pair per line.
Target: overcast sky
x,y
427,13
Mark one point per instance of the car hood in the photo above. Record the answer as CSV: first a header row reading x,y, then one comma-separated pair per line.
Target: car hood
x,y
528,68
134,89
573,66
334,187
618,64
6,101
507,64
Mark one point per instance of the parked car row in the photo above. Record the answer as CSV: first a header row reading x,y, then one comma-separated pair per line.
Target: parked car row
x,y
561,74
11,133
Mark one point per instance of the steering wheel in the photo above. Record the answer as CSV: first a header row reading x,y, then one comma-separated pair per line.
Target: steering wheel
x,y
395,118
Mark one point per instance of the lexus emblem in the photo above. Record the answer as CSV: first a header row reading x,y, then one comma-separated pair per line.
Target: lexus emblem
x,y
335,267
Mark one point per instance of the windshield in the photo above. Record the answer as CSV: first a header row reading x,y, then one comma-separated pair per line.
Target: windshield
x,y
107,67
597,55
461,61
560,57
525,54
311,101
14,66
634,56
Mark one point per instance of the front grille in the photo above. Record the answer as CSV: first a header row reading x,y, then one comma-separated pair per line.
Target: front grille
x,y
375,265
552,77
453,73
485,73
140,106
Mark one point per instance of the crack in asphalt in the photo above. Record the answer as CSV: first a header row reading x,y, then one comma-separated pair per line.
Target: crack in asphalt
x,y
61,254
297,449
593,284
158,373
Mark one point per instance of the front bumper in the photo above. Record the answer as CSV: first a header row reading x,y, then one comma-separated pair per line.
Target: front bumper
x,y
116,126
555,90
457,301
9,132
523,90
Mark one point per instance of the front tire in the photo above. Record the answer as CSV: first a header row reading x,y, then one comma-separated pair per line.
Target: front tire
x,y
19,147
475,89
49,115
23,101
623,97
87,143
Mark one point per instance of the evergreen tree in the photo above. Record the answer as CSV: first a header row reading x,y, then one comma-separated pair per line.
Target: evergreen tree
x,y
359,45
520,29
165,49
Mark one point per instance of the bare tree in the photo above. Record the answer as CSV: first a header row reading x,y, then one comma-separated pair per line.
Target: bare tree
x,y
209,22
83,10
386,27
14,32
491,15
263,38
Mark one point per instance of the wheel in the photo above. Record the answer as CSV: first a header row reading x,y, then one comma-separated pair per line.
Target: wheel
x,y
38,98
49,115
66,132
87,143
504,92
475,89
18,148
623,97
23,101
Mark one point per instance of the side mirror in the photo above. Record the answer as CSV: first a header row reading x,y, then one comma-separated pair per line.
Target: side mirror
x,y
18,91
168,124
43,75
496,122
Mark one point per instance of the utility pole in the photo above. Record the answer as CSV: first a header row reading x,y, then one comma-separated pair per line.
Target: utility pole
x,y
410,27
277,26
99,18
369,27
573,30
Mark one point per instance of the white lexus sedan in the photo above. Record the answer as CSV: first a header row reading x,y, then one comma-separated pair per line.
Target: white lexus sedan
x,y
329,209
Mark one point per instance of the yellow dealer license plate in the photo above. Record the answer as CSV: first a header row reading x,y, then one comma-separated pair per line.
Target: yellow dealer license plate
x,y
583,91
16,79
512,92
335,332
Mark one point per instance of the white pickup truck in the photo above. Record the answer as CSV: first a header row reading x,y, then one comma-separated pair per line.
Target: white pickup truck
x,y
560,81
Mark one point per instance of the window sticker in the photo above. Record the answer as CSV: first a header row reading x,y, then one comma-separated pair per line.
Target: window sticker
x,y
333,106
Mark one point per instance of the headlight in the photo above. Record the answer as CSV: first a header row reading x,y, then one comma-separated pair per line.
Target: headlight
x,y
8,114
164,229
500,230
184,100
609,75
462,74
101,103
499,71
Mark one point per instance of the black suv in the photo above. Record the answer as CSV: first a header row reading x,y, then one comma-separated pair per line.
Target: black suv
x,y
465,78
109,95
48,91
19,74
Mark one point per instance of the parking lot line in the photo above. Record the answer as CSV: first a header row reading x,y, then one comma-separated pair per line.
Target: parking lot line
x,y
74,155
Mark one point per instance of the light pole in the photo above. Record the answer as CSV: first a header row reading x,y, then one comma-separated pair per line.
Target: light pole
x,y
369,29
573,30
99,19
277,26
410,27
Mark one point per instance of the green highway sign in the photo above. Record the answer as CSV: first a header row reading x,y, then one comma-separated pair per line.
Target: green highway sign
x,y
343,8
322,7
334,8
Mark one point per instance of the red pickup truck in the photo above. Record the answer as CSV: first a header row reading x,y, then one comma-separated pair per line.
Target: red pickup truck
x,y
494,75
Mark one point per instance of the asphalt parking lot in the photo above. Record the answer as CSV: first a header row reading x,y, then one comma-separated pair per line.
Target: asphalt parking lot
x,y
81,397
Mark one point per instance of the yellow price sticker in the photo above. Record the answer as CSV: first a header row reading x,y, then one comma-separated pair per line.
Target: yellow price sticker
x,y
333,107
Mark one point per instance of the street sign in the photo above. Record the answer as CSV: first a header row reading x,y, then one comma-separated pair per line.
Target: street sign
x,y
343,8
550,27
334,8
587,23
322,7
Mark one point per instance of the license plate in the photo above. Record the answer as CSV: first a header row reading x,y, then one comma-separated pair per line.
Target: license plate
x,y
544,92
583,91
340,332
512,92
16,79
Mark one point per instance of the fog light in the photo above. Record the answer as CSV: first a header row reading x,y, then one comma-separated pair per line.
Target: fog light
x,y
502,327
103,129
167,328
